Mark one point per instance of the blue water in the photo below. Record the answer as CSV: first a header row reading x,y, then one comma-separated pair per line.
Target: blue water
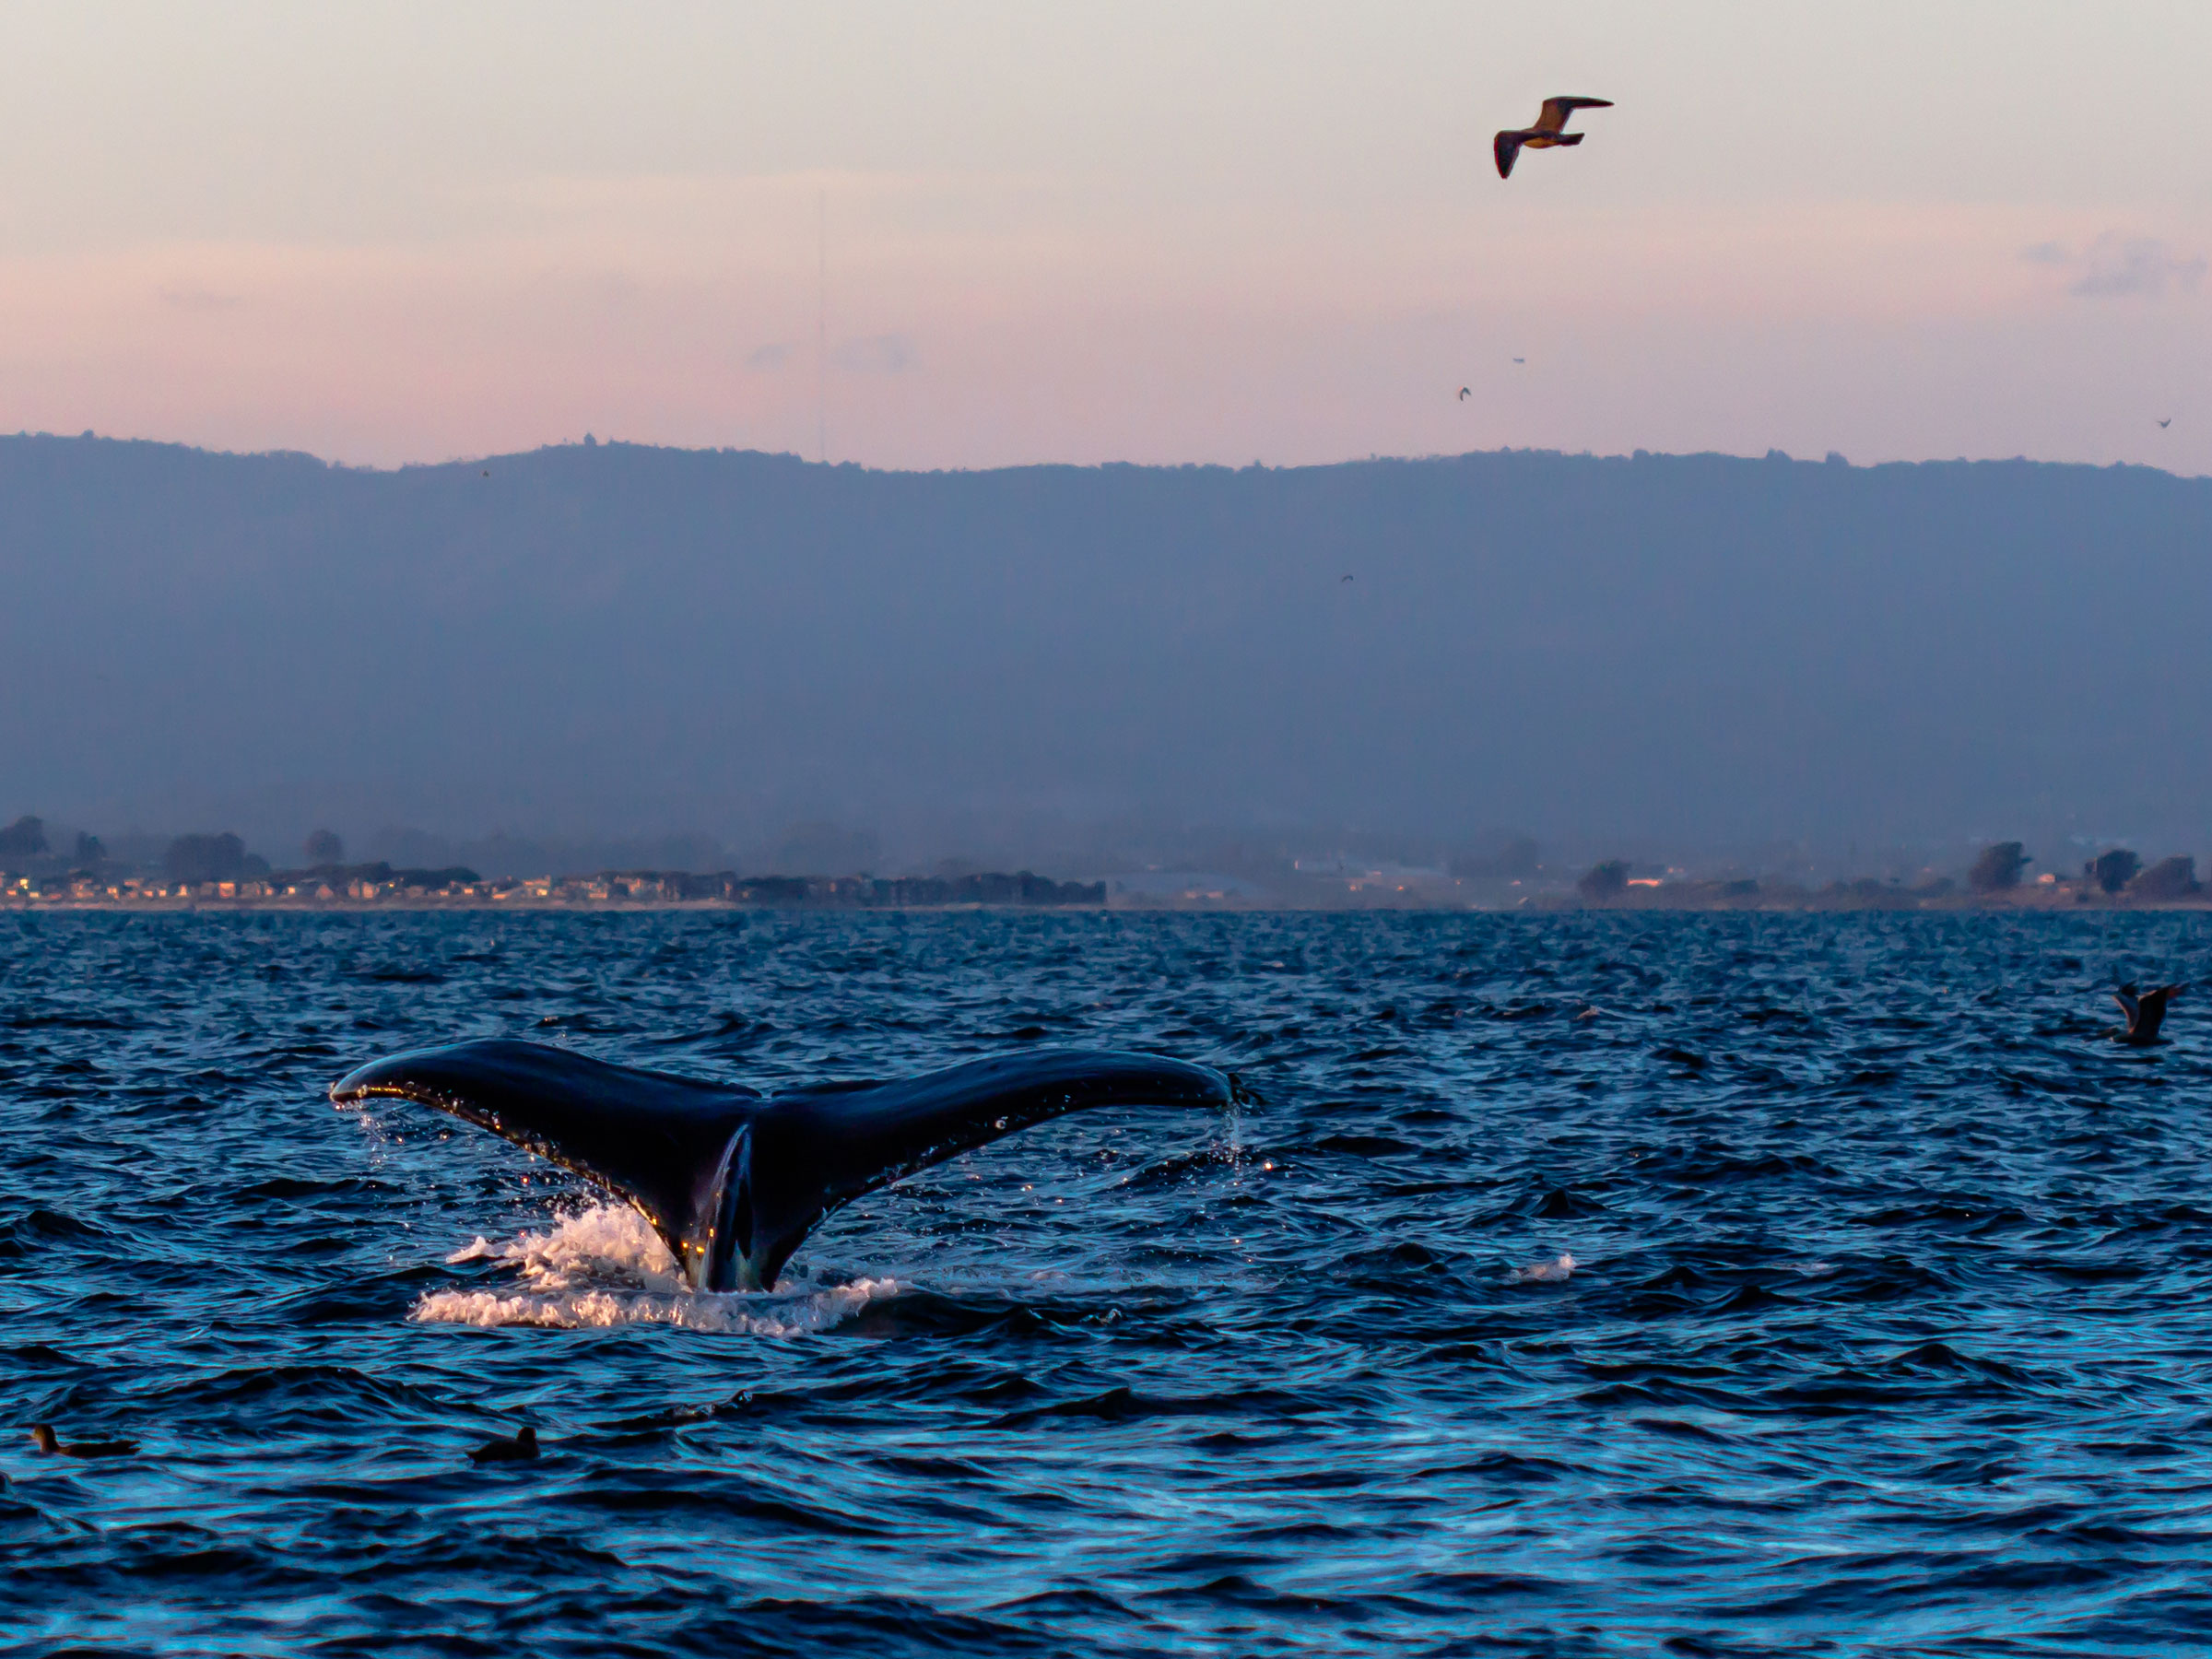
x,y
1887,1333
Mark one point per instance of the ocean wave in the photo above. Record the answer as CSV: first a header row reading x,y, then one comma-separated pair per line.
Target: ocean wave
x,y
606,1267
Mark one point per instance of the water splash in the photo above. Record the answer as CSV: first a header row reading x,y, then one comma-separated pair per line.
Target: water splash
x,y
605,1267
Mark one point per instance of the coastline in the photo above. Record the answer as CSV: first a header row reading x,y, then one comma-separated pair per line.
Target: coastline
x,y
2064,902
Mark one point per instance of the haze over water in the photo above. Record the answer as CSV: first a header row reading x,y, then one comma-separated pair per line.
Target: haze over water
x,y
1886,1334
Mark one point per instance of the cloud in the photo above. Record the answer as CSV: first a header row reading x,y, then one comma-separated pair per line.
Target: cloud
x,y
2115,266
876,354
764,357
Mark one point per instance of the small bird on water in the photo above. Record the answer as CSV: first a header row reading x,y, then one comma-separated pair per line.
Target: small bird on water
x,y
42,1436
2146,1013
520,1449
1548,134
1546,1273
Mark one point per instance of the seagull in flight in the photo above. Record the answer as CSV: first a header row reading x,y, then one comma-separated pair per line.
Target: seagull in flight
x,y
2167,423
1549,133
2146,1013
1465,393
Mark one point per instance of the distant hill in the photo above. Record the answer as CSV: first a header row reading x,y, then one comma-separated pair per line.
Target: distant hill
x,y
618,638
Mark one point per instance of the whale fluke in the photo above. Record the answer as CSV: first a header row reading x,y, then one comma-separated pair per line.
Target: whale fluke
x,y
734,1181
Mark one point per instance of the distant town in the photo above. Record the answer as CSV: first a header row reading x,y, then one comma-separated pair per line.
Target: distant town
x,y
215,871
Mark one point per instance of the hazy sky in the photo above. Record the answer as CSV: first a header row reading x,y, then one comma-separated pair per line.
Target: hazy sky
x,y
1128,231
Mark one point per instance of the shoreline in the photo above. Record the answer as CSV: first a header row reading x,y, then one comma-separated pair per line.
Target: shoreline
x,y
2064,904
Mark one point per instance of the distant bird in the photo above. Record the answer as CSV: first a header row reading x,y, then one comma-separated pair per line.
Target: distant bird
x,y
1546,1273
1465,393
42,1435
488,472
2146,1013
520,1449
2167,423
1520,359
1346,579
1548,134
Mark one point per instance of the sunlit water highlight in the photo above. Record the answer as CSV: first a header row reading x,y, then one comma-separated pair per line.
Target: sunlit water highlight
x,y
1885,1327
605,1267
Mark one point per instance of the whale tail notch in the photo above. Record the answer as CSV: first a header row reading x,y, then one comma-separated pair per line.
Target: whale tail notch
x,y
734,1182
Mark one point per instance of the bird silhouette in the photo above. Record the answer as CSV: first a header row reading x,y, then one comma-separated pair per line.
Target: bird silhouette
x,y
42,1435
520,1449
2146,1013
1346,579
1520,359
2167,423
1548,134
1465,393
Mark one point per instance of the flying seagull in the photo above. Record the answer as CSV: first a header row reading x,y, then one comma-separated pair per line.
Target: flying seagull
x,y
1465,393
2167,423
1520,359
1548,134
2146,1013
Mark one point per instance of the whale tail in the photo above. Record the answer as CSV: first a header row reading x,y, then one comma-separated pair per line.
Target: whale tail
x,y
733,1181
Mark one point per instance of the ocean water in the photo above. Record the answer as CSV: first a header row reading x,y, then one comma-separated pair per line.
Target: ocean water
x,y
1882,1325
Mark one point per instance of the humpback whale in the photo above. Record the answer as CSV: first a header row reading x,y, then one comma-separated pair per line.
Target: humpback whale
x,y
733,1180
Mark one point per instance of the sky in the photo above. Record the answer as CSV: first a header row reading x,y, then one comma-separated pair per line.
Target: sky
x,y
969,235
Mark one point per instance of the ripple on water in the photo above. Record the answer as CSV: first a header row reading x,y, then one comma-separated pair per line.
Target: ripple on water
x,y
1884,1329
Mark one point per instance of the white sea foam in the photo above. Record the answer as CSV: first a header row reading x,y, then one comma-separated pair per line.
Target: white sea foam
x,y
606,1266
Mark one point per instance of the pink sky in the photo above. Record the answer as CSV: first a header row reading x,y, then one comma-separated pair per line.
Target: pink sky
x,y
1084,233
